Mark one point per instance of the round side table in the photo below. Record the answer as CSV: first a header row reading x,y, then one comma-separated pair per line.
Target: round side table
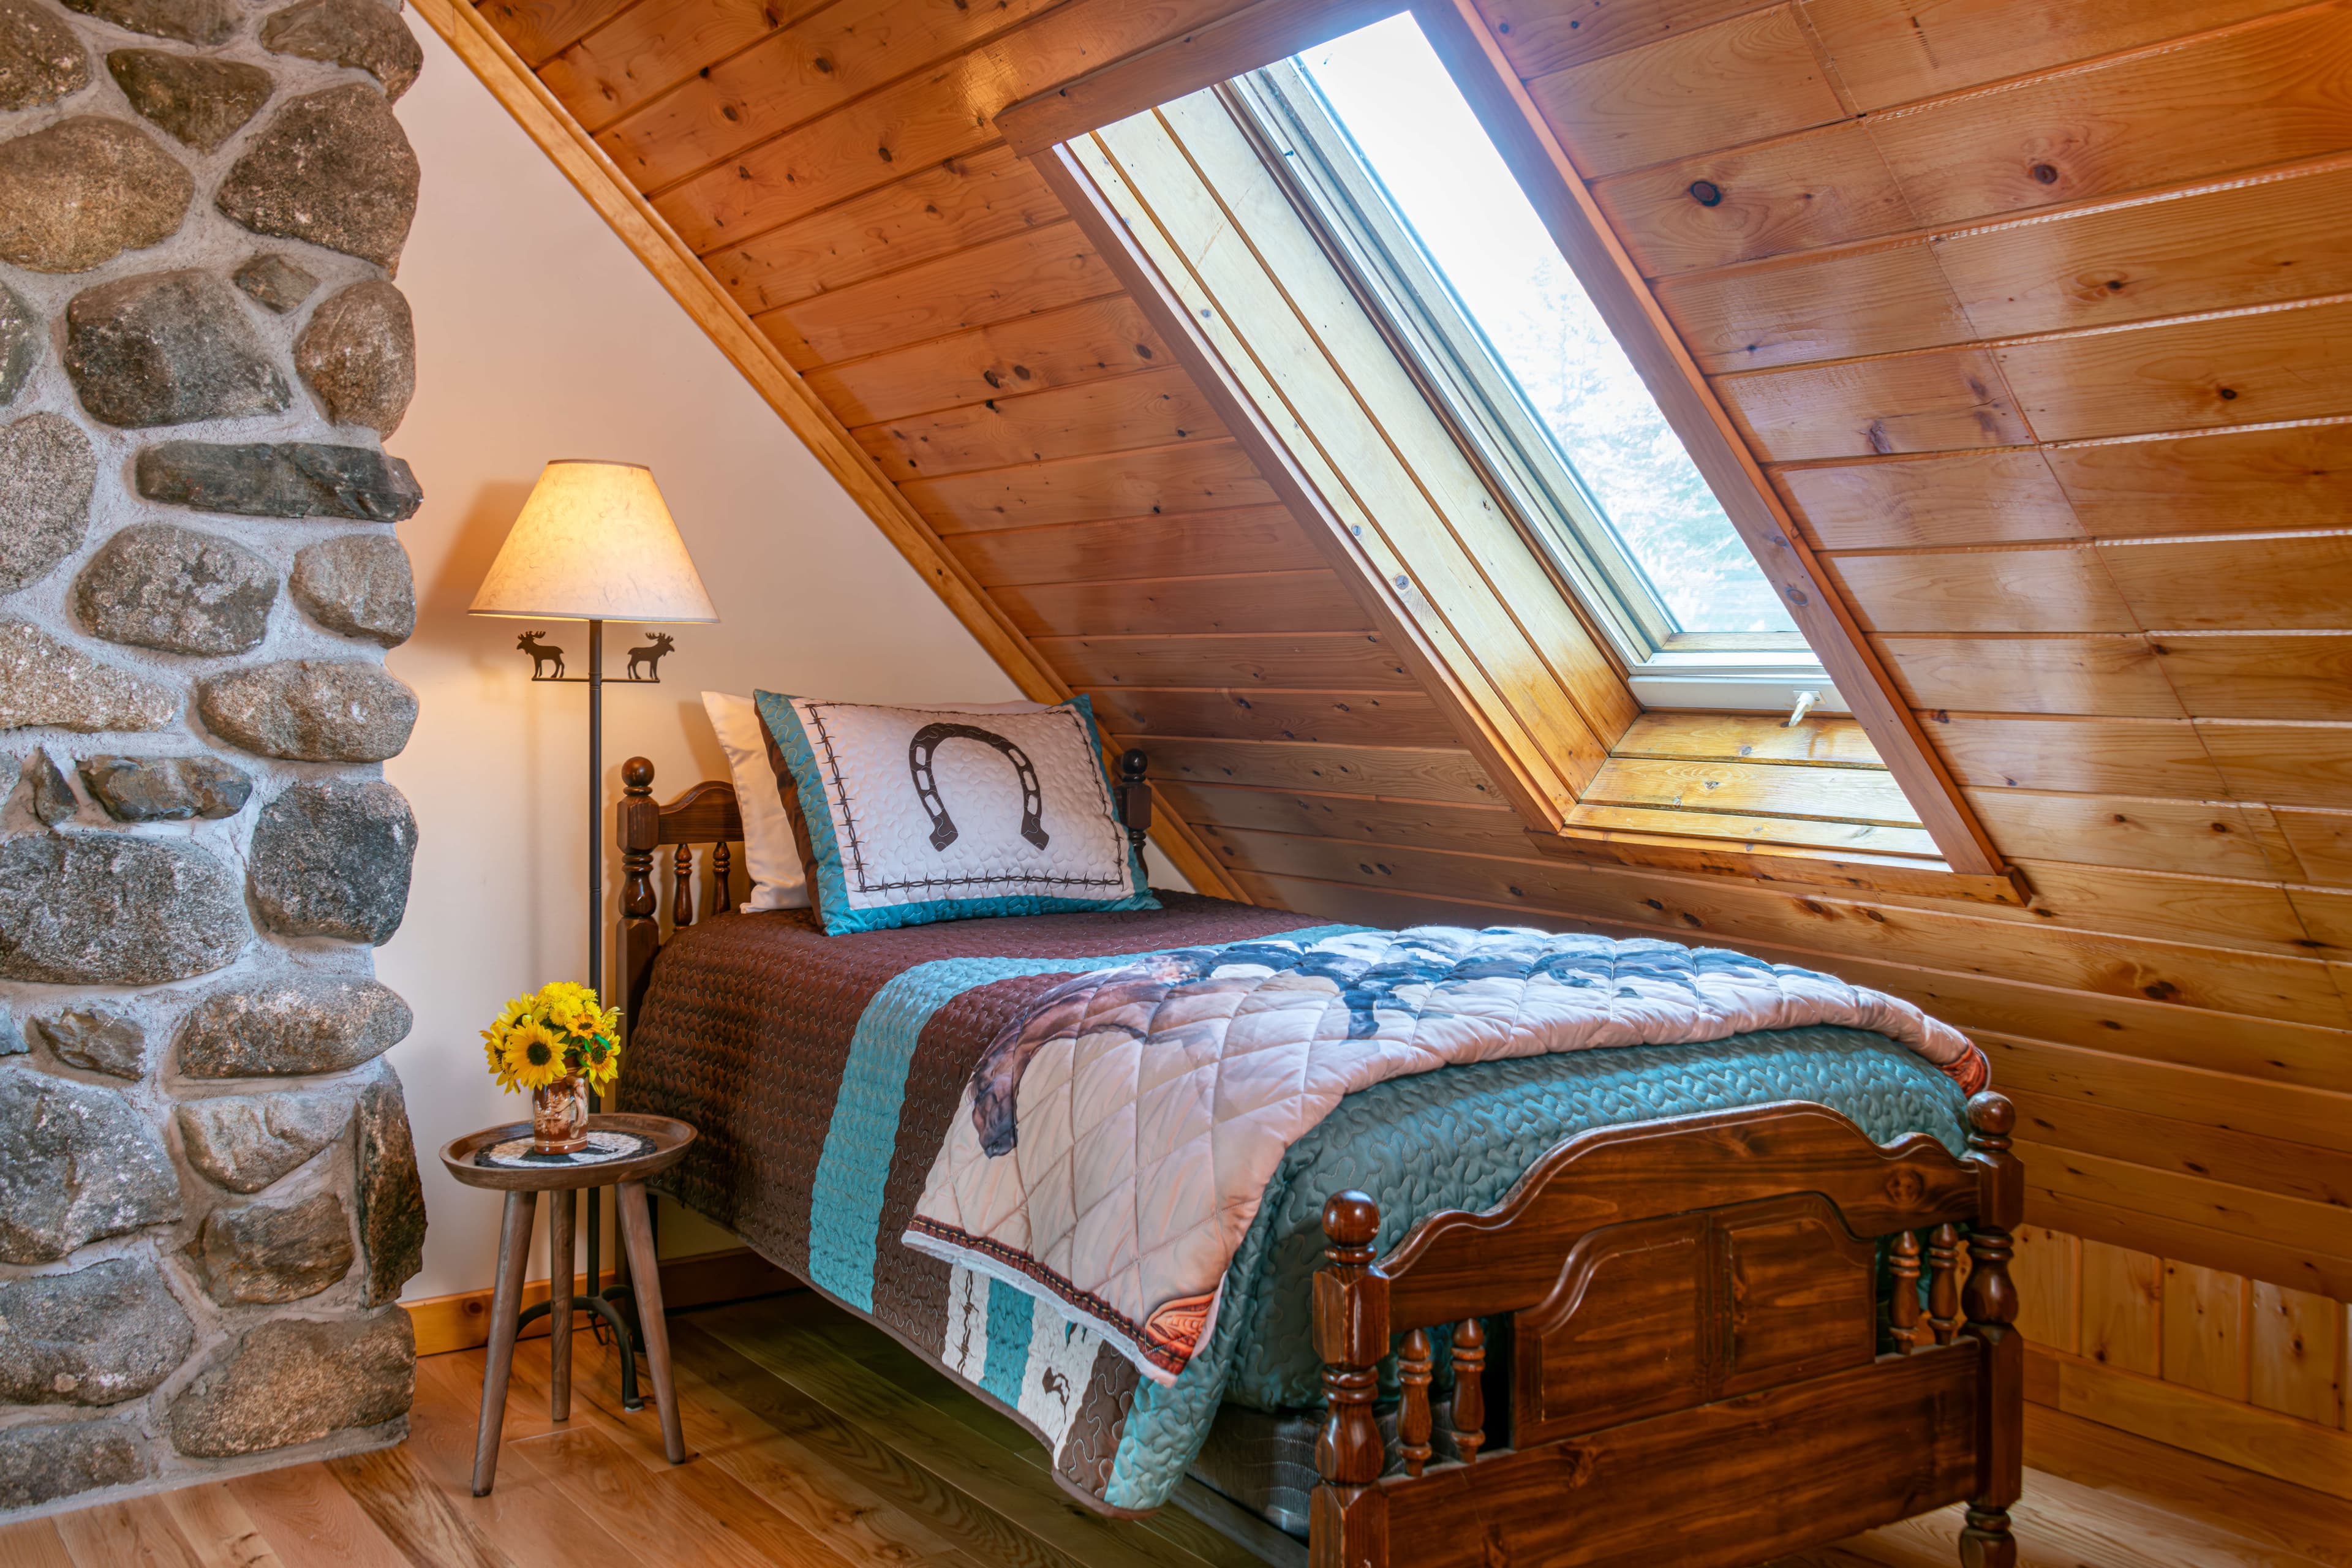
x,y
522,1185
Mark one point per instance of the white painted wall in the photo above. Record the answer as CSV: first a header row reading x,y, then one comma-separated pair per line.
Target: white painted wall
x,y
540,336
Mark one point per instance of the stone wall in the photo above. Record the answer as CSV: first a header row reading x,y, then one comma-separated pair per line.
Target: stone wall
x,y
208,1195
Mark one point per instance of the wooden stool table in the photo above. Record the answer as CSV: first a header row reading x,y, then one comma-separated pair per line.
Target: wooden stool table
x,y
522,1185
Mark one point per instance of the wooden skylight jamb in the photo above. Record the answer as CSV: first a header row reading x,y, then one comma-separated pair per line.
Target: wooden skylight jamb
x,y
1543,783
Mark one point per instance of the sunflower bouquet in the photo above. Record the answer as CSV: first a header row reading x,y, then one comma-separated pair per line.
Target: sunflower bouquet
x,y
558,1033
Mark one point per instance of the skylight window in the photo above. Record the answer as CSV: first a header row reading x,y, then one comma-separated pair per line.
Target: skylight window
x,y
1377,137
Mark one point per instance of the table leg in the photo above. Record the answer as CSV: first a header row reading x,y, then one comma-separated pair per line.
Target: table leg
x,y
506,1307
644,1275
561,1215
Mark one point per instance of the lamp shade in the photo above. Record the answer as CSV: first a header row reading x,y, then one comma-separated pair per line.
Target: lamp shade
x,y
594,542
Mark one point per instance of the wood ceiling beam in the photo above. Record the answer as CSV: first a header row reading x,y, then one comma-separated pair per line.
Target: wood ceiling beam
x,y
709,305
1204,56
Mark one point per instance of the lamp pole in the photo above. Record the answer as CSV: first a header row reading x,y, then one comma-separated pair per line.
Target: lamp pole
x,y
596,911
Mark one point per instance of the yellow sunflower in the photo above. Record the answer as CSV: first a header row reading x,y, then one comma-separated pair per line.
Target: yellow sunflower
x,y
534,1057
493,1039
599,1062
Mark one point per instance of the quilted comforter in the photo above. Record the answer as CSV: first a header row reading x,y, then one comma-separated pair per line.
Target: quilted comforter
x,y
1114,1142
829,1075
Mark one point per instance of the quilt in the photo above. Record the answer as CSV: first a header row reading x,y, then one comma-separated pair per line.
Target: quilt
x,y
1115,1140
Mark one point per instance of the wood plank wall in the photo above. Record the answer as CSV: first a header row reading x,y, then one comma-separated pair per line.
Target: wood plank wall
x,y
2040,317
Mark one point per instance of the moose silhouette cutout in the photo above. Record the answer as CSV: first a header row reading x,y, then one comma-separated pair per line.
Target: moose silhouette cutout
x,y
541,656
650,656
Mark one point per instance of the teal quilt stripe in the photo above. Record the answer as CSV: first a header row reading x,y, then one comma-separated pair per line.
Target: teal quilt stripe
x,y
845,1199
1008,1341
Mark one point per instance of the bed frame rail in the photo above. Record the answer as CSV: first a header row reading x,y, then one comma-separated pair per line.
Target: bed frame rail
x,y
1694,1360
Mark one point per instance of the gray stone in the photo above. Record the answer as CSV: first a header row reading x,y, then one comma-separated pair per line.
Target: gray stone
x,y
247,1141
11,1038
97,1038
358,354
203,102
77,1162
40,58
333,168
98,1336
292,479
295,1382
310,710
42,1464
391,1196
299,1024
47,472
158,585
273,281
359,585
165,789
110,909
85,189
366,34
53,797
333,858
168,348
202,22
47,682
20,341
259,1253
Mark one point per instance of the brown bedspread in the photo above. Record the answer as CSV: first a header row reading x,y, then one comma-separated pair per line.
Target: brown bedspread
x,y
746,1030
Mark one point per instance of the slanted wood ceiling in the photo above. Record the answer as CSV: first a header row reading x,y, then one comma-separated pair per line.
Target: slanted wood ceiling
x,y
2038,315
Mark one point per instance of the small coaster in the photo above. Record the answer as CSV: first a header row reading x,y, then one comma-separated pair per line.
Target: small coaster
x,y
603,1148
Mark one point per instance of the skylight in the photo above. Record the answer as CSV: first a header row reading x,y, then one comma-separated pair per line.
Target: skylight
x,y
1640,528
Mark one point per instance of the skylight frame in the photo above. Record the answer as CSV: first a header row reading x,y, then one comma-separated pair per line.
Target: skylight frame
x,y
1434,336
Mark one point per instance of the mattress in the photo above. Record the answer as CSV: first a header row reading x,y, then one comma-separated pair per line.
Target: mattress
x,y
823,1071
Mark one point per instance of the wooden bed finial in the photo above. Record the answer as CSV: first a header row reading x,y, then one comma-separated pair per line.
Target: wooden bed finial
x,y
1135,797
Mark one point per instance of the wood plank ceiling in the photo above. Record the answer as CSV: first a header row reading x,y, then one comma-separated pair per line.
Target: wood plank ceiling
x,y
2038,315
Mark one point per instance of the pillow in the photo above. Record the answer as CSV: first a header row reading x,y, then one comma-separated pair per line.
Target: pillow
x,y
778,879
906,815
770,855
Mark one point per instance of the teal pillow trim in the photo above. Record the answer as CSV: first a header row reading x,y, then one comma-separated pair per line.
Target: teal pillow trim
x,y
832,888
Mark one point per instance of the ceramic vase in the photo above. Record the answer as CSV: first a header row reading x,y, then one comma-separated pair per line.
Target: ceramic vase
x,y
559,1117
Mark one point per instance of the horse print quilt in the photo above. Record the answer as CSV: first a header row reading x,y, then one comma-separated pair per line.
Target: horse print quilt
x,y
1077,1159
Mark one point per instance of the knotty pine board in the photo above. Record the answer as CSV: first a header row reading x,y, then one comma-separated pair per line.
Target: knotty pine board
x,y
1043,351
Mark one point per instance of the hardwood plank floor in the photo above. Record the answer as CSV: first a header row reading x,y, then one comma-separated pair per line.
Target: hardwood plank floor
x,y
816,1442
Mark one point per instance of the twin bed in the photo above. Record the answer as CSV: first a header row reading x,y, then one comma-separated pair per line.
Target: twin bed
x,y
1697,1303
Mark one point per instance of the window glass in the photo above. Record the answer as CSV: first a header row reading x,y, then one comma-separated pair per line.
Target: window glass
x,y
1447,183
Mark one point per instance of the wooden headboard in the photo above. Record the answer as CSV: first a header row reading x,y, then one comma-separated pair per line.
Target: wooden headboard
x,y
708,813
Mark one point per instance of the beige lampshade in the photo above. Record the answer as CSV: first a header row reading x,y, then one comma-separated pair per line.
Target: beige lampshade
x,y
594,542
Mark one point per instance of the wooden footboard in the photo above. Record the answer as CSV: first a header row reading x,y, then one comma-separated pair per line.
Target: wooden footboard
x,y
1670,1346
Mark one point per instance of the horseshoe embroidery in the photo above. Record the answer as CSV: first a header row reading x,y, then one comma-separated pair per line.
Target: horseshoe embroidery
x,y
927,789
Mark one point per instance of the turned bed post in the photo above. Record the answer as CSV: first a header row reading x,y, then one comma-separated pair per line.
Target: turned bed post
x,y
1991,1303
1348,1516
640,931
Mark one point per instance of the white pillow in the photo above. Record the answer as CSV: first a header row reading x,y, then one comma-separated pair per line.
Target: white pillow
x,y
779,880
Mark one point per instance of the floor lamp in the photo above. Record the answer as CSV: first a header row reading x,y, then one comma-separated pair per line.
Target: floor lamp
x,y
595,542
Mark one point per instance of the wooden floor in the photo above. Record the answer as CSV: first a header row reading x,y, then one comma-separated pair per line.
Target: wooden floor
x,y
818,1443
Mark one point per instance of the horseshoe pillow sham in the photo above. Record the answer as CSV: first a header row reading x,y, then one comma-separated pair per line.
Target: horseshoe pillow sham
x,y
906,815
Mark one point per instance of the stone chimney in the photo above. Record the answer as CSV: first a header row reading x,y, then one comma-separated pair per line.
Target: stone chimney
x,y
208,1195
